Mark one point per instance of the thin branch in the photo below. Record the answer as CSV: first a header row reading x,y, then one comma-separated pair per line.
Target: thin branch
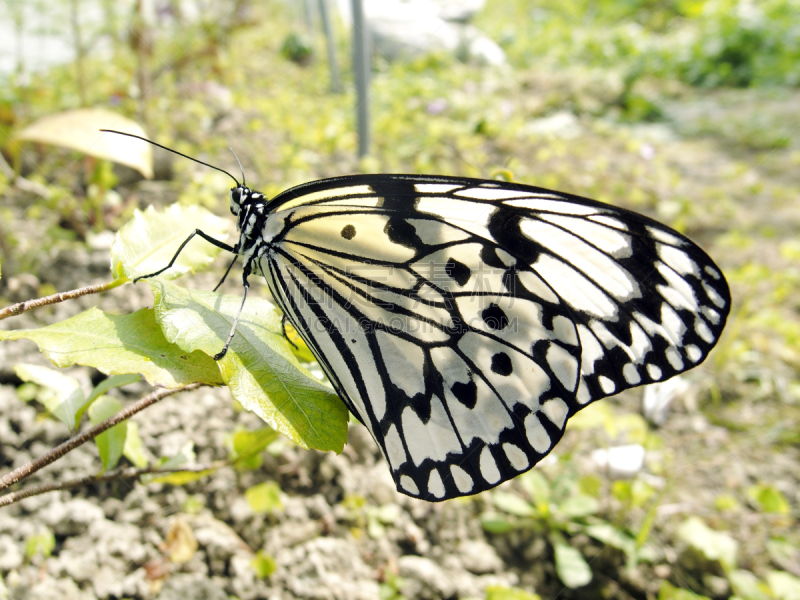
x,y
28,469
21,307
21,183
123,473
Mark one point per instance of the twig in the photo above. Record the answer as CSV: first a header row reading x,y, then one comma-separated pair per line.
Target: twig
x,y
20,182
21,307
28,469
124,473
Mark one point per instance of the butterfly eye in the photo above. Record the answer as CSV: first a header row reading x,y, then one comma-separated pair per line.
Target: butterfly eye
x,y
235,200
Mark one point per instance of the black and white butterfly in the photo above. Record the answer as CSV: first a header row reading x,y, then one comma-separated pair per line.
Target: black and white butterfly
x,y
463,321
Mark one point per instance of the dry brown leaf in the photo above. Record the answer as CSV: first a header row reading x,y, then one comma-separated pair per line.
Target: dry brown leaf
x,y
80,130
180,544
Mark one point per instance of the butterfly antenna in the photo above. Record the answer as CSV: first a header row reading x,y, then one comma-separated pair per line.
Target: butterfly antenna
x,y
138,137
240,164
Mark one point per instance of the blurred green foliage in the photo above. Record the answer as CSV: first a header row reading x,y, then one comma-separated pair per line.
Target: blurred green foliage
x,y
702,42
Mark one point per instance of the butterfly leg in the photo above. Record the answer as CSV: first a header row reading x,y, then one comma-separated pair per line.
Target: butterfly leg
x,y
203,235
224,350
283,330
230,266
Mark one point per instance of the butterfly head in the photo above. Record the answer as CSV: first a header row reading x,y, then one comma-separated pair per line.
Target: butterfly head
x,y
239,197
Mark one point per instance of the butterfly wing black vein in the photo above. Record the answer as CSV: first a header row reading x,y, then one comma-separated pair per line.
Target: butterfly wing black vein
x,y
464,321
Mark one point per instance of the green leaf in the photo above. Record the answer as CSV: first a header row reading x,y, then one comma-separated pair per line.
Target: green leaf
x,y
714,545
784,586
133,449
496,592
571,567
147,242
579,506
111,442
264,497
670,592
608,534
185,456
746,585
769,498
108,383
260,370
43,542
61,394
495,523
537,487
590,485
512,504
119,345
246,446
263,564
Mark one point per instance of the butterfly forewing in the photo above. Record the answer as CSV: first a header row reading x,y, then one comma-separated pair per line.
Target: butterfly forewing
x,y
463,321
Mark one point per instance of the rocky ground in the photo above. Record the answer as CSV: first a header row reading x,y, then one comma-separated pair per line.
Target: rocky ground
x,y
340,530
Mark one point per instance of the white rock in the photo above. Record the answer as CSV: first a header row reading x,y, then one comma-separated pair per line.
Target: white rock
x,y
10,554
425,578
658,397
72,517
479,557
408,29
621,462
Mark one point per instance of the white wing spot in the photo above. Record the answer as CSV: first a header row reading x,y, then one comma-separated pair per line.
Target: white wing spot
x,y
435,485
574,288
332,193
489,469
463,481
573,250
483,193
654,371
663,236
435,188
678,293
456,211
598,234
710,314
703,331
434,439
556,410
537,434
631,374
534,284
693,352
674,358
591,350
713,272
395,452
508,259
609,221
405,360
583,396
607,384
718,300
564,329
516,456
564,365
408,485
555,206
677,259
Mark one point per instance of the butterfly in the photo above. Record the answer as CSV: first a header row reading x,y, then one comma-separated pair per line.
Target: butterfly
x,y
464,321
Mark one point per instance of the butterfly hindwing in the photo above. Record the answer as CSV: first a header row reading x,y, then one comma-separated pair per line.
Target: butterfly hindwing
x,y
463,321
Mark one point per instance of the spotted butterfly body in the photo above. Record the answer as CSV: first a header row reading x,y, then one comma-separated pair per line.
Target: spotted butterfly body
x,y
463,321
